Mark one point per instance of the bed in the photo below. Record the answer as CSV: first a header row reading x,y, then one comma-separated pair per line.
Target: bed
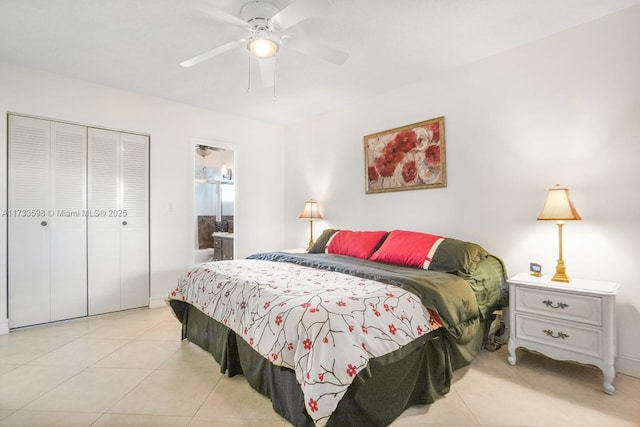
x,y
364,325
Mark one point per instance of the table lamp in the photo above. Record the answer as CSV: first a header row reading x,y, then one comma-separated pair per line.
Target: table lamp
x,y
558,207
310,212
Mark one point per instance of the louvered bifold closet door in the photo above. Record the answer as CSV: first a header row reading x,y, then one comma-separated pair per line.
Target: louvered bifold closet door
x,y
46,228
134,245
103,231
68,221
118,225
29,147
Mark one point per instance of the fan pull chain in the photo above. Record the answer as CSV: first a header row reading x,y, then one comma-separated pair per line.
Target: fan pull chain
x,y
249,77
275,68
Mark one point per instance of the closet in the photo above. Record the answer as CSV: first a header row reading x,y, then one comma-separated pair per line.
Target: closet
x,y
118,249
47,257
77,220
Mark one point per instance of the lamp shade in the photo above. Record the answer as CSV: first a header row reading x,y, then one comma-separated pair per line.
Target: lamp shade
x,y
310,211
558,206
263,47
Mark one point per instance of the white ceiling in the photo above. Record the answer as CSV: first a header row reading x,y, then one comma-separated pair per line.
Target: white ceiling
x,y
136,45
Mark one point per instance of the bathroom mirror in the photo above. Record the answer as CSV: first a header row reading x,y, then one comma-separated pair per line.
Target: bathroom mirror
x,y
227,199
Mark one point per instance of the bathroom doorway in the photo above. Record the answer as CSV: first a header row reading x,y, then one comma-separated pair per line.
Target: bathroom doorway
x,y
213,202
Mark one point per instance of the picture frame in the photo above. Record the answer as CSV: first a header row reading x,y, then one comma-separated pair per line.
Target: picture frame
x,y
410,157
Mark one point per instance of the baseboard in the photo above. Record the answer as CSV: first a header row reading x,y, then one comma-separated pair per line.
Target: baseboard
x,y
157,302
628,365
4,327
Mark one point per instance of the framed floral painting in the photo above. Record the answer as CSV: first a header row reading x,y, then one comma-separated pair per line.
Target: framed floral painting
x,y
406,158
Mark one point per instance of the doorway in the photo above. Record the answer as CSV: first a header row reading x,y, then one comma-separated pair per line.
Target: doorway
x,y
213,202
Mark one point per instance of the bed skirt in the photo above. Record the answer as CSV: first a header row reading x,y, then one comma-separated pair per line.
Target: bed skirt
x,y
417,374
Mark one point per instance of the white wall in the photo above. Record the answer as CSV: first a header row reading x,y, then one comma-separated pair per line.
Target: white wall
x,y
259,213
565,109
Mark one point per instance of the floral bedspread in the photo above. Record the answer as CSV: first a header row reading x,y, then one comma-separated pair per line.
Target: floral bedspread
x,y
324,325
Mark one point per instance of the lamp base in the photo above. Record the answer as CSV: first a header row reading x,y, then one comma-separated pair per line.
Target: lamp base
x,y
310,235
561,275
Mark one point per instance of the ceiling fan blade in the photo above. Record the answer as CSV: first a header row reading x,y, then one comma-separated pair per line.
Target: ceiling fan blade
x,y
327,53
219,15
298,11
267,71
211,53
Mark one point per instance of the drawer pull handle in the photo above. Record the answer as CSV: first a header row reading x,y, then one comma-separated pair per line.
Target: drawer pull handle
x,y
549,333
559,305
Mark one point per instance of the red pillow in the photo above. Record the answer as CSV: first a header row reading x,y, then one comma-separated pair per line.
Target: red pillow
x,y
407,248
358,244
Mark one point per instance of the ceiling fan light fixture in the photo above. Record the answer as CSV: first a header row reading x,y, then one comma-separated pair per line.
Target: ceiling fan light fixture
x,y
203,150
263,47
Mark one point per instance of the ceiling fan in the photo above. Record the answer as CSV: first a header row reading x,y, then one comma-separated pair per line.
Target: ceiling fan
x,y
266,24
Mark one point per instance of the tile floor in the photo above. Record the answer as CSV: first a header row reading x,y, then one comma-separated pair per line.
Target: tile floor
x,y
131,369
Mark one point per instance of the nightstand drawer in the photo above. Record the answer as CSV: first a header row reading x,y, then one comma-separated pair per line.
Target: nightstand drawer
x,y
556,305
563,336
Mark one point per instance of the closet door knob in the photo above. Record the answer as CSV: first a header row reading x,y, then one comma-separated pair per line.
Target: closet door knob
x,y
43,223
124,222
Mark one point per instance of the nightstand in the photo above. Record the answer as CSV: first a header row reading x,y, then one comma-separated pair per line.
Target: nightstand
x,y
295,251
564,321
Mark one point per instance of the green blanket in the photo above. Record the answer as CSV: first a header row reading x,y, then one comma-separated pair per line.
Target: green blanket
x,y
459,302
